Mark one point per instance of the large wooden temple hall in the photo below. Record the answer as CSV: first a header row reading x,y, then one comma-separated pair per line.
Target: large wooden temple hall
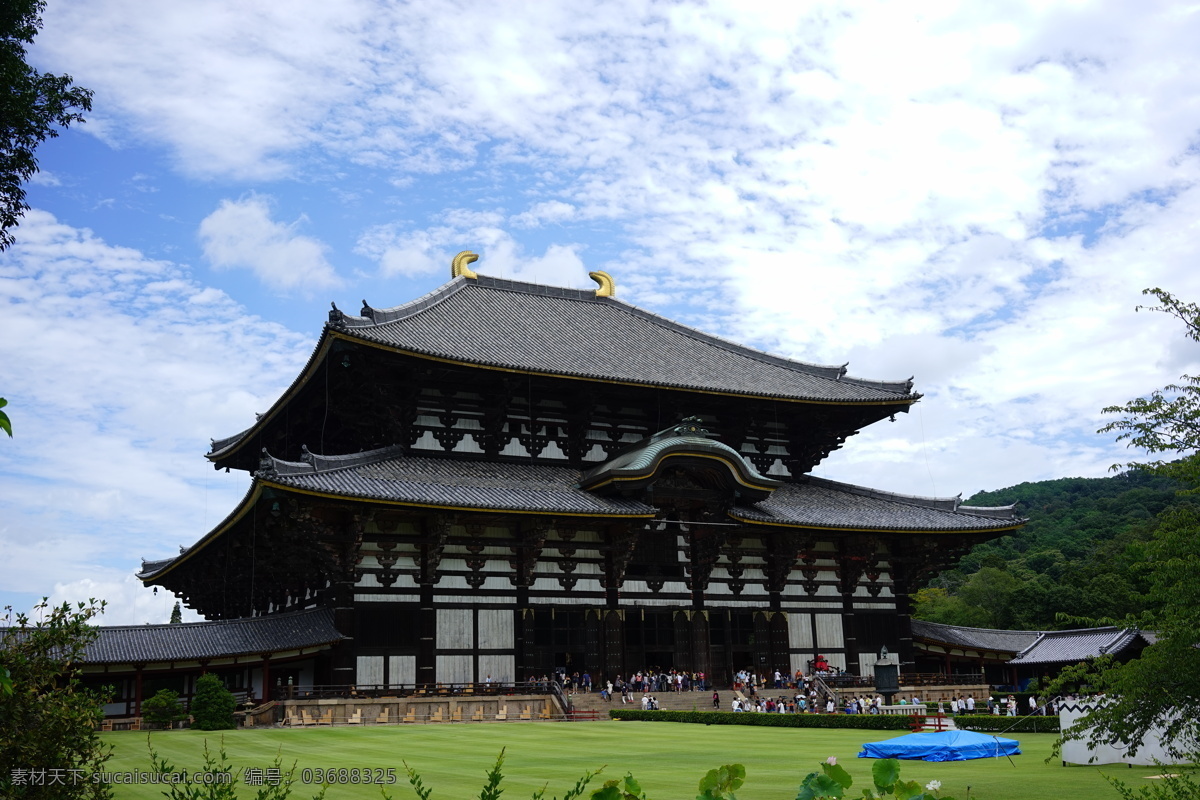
x,y
502,479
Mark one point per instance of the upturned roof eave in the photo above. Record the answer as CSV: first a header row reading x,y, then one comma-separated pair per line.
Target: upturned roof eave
x,y
235,443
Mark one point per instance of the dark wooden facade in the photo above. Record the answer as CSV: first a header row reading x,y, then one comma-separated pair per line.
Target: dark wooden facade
x,y
467,511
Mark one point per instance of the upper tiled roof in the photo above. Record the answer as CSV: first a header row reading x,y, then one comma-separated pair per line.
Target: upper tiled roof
x,y
192,641
1068,647
523,326
828,504
390,475
974,638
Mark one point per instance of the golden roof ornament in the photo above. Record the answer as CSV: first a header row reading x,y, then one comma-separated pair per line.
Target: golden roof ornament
x,y
607,287
458,267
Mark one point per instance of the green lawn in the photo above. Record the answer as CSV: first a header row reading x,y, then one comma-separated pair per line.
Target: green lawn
x,y
667,758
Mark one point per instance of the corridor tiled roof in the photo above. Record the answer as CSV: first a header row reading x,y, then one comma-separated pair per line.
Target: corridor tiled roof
x,y
828,504
514,325
988,639
191,641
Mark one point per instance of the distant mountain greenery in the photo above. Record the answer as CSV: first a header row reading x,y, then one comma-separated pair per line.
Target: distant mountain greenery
x,y
1082,555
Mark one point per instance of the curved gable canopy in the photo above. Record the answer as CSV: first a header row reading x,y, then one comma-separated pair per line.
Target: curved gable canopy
x,y
687,443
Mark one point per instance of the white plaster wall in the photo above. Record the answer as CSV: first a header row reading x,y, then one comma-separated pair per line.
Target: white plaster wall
x,y
800,631
829,631
501,668
369,670
454,669
495,630
402,669
454,629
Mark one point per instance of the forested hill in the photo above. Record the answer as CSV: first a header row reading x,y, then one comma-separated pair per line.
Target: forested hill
x,y
1081,553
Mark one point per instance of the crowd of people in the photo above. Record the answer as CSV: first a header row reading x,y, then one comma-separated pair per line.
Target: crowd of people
x,y
801,693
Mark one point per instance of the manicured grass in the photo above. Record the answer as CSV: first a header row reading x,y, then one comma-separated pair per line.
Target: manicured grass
x,y
667,758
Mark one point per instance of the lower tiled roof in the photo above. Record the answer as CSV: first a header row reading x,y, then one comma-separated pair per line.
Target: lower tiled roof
x,y
828,504
391,476
191,641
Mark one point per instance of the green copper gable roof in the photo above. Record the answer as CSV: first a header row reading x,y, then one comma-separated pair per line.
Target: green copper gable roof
x,y
686,440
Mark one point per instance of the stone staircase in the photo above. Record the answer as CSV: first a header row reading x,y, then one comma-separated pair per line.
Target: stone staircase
x,y
667,701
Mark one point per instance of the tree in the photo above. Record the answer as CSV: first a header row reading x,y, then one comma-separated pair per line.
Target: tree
x,y
212,704
1168,420
33,106
1161,688
47,720
5,423
176,614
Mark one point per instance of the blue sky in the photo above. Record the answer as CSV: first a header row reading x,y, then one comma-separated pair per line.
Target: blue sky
x,y
973,195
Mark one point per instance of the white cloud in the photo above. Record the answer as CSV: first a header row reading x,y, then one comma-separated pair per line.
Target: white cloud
x,y
128,602
241,234
403,251
866,181
118,369
45,178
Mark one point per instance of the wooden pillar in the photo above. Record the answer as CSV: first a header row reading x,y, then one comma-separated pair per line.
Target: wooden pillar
x,y
344,661
426,632
701,644
683,641
523,631
266,677
781,658
614,644
594,638
762,643
137,690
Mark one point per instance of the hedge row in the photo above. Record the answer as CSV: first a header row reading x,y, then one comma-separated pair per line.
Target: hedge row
x,y
994,724
860,721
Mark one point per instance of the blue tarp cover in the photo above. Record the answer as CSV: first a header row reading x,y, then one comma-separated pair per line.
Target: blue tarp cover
x,y
942,746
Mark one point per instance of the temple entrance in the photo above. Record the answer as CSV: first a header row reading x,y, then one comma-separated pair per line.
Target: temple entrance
x,y
660,660
570,662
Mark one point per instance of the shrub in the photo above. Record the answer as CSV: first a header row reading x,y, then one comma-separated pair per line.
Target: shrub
x,y
854,721
164,708
212,705
993,724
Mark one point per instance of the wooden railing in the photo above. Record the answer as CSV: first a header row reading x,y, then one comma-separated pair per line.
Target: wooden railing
x,y
413,690
941,679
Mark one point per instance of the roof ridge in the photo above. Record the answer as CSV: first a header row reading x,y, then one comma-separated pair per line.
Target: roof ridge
x,y
969,628
1121,634
317,463
236,621
941,503
1036,642
370,316
1078,631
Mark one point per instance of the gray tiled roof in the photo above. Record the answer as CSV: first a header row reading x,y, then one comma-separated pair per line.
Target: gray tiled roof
x,y
1069,647
190,641
389,475
974,638
824,503
514,325
392,476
